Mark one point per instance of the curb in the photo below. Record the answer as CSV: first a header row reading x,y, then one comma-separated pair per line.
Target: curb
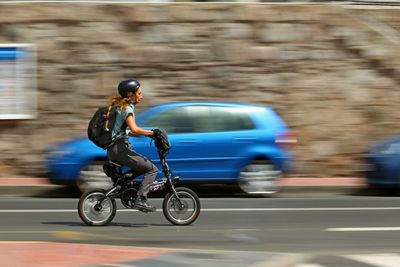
x,y
334,185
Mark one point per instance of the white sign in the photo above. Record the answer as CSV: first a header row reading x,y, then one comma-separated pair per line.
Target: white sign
x,y
17,81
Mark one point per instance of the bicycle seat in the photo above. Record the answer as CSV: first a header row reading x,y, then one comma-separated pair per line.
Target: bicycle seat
x,y
112,170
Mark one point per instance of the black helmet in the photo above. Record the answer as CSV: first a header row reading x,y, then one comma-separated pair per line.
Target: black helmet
x,y
127,86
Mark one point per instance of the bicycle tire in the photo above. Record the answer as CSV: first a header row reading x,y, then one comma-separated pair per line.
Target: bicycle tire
x,y
96,216
177,214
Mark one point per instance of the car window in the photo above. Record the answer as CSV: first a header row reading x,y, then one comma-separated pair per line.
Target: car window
x,y
219,119
192,119
172,120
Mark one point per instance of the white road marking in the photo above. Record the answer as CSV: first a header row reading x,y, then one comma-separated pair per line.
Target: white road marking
x,y
381,260
59,211
363,229
214,209
37,211
307,265
302,209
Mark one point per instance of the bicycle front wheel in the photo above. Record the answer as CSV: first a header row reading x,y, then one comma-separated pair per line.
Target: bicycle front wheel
x,y
183,212
96,209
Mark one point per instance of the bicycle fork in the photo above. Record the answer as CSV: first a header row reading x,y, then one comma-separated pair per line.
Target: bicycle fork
x,y
108,194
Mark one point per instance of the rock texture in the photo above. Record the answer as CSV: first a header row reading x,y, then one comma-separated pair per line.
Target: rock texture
x,y
331,71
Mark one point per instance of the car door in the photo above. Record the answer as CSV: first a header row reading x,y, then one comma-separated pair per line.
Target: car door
x,y
225,132
207,141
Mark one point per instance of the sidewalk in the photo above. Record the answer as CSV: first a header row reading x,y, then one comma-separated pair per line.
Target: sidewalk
x,y
62,254
34,186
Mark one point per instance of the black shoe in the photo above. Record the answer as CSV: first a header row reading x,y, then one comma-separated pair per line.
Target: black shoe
x,y
142,205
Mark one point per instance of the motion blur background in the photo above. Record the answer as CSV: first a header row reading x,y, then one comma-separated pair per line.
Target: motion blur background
x,y
330,70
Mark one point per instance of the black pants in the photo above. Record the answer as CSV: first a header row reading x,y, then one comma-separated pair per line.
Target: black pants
x,y
122,153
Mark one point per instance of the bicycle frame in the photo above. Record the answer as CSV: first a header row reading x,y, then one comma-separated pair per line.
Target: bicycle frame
x,y
116,190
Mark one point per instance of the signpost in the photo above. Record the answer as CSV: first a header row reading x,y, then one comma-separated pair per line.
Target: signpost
x,y
18,98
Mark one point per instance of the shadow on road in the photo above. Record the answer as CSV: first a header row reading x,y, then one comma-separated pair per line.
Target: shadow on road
x,y
64,223
377,191
131,225
59,192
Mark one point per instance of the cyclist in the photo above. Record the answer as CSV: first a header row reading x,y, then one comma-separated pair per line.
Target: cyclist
x,y
121,152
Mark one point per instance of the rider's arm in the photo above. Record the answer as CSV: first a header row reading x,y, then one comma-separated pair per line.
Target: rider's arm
x,y
136,130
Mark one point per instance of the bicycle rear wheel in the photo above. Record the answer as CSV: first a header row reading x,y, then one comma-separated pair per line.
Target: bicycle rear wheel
x,y
185,213
93,212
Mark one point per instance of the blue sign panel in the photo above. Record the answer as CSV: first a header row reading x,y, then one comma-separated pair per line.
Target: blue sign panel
x,y
17,81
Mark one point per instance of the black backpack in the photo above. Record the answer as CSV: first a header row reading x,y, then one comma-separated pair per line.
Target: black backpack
x,y
101,125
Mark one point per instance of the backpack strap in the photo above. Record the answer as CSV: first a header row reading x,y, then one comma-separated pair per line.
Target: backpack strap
x,y
108,117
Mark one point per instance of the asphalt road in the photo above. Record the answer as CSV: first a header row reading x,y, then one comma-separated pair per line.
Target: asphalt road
x,y
327,225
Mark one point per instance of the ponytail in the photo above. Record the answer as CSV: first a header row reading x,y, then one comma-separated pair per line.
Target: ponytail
x,y
120,101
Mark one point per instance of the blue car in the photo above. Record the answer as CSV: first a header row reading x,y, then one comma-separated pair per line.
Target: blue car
x,y
245,145
383,163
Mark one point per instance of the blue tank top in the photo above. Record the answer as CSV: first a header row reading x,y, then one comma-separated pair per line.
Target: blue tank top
x,y
120,119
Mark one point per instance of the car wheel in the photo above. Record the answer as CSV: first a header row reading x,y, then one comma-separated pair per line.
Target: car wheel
x,y
92,176
259,177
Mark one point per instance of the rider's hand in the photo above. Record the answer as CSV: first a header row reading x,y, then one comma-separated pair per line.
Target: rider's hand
x,y
155,131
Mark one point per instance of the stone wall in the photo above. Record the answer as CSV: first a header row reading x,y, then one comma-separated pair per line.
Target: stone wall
x,y
331,71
